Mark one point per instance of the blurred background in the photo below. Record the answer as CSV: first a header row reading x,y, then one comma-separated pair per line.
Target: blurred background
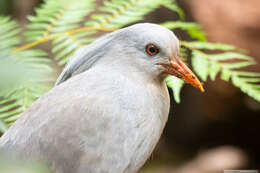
x,y
216,130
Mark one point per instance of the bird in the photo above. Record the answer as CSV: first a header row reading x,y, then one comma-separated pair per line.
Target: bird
x,y
109,106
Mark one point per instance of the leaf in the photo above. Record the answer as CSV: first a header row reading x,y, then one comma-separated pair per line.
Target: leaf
x,y
20,73
176,85
54,17
3,126
117,14
197,34
237,64
209,46
180,24
184,54
214,69
230,56
170,4
248,82
247,88
245,73
200,65
8,33
193,29
57,17
226,75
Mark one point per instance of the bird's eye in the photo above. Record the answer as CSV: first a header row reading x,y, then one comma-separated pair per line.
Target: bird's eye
x,y
151,49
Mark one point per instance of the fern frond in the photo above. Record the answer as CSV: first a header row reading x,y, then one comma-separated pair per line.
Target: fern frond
x,y
172,5
57,17
23,75
3,126
250,86
176,85
118,13
193,29
65,46
8,32
26,78
200,65
181,25
208,46
211,64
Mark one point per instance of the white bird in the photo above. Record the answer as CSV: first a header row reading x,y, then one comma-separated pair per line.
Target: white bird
x,y
109,107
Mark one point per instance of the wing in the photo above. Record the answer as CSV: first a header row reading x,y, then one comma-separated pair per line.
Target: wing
x,y
85,58
80,62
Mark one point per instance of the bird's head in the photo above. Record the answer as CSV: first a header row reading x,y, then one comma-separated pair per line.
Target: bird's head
x,y
153,49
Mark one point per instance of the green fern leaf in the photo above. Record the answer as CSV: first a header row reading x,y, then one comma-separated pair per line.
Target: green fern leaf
x,y
209,46
170,4
214,69
193,29
200,65
9,29
245,73
27,82
3,126
197,34
65,46
211,64
181,25
225,75
247,86
119,13
57,17
230,56
237,65
176,85
20,73
54,17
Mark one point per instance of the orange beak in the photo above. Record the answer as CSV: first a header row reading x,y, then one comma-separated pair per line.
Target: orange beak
x,y
180,70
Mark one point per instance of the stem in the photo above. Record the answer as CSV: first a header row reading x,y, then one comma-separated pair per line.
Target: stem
x,y
53,37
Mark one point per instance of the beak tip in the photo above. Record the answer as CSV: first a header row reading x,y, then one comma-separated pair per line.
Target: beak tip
x,y
201,88
179,69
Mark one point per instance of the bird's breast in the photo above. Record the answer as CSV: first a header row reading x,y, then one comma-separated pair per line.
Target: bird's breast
x,y
148,113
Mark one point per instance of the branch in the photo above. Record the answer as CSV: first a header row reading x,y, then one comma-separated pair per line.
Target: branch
x,y
54,37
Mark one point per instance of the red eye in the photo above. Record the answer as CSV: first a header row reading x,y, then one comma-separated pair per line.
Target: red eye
x,y
151,49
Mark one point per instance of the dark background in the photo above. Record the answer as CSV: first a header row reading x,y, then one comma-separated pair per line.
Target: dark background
x,y
212,131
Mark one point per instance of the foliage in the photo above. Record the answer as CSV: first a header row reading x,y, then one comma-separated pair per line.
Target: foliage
x,y
71,25
23,75
11,165
209,65
55,17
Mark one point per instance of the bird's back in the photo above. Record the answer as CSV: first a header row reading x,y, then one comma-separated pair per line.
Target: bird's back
x,y
92,123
